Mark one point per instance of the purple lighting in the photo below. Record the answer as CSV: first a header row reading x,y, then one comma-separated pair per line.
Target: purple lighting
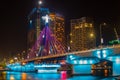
x,y
46,44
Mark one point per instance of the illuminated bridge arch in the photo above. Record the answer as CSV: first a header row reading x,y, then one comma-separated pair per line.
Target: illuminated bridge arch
x,y
46,44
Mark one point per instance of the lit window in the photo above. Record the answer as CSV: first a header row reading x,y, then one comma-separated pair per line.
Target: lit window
x,y
86,25
91,25
91,35
71,41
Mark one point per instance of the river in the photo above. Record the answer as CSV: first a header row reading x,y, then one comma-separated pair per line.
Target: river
x,y
9,75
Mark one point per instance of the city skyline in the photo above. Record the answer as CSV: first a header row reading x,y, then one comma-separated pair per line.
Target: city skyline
x,y
14,18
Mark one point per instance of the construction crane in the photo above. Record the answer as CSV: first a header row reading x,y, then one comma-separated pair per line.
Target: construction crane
x,y
116,34
117,38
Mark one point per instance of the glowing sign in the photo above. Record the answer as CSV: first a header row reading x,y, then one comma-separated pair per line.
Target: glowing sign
x,y
46,18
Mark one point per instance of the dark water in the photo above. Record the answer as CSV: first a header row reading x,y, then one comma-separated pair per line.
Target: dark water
x,y
47,76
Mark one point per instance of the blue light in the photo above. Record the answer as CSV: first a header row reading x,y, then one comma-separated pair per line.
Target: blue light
x,y
81,62
117,60
110,58
104,55
85,61
104,51
91,61
98,52
75,62
71,56
99,56
82,69
47,65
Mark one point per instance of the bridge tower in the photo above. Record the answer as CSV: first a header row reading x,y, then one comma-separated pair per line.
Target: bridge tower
x,y
36,23
47,43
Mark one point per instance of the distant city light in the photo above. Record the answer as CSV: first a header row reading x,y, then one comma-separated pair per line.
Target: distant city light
x,y
30,21
15,58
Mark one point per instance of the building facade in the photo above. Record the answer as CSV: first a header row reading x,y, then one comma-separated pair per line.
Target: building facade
x,y
57,25
82,36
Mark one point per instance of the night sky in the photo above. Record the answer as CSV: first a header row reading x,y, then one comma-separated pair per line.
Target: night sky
x,y
13,18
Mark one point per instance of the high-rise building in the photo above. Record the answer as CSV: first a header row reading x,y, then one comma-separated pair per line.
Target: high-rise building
x,y
36,24
57,25
82,34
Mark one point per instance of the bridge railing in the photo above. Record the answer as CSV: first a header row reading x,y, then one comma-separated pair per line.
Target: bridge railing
x,y
75,52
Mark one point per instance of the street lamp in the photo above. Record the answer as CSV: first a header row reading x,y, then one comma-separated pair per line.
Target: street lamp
x,y
101,38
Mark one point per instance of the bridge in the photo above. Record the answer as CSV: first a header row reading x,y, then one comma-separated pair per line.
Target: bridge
x,y
83,59
49,52
115,49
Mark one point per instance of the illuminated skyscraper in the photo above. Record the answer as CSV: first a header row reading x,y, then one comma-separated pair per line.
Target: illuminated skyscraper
x,y
82,34
57,26
36,23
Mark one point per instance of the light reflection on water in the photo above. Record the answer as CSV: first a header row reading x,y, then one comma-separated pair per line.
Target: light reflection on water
x,y
46,76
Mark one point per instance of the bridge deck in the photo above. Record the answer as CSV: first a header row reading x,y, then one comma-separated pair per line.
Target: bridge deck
x,y
65,54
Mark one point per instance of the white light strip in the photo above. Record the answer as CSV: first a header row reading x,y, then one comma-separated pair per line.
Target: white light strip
x,y
42,71
47,65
